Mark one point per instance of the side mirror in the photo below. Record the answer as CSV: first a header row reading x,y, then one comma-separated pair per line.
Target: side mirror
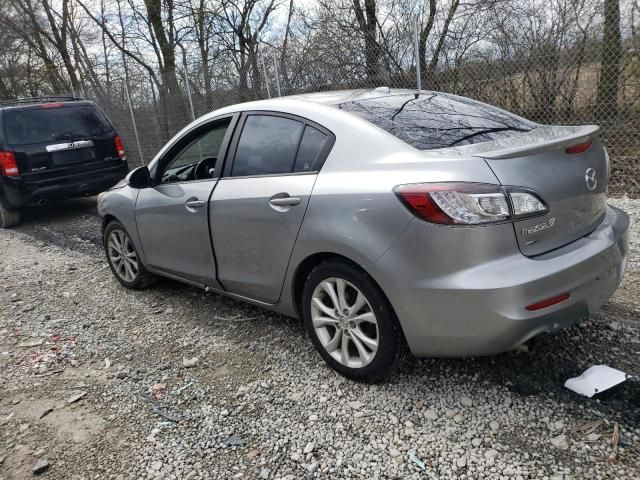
x,y
139,178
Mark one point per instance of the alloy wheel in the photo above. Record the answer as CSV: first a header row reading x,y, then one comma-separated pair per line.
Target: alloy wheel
x,y
123,255
344,322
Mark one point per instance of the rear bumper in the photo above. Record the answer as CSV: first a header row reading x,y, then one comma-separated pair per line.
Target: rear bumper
x,y
481,310
19,192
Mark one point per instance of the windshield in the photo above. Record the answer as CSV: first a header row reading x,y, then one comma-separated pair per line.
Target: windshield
x,y
436,120
40,125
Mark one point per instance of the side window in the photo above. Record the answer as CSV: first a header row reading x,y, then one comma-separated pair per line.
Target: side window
x,y
311,147
198,159
267,146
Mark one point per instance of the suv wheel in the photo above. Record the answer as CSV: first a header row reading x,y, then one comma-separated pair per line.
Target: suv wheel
x,y
351,323
8,218
123,258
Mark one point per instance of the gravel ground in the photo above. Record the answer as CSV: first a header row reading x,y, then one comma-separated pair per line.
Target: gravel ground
x,y
100,382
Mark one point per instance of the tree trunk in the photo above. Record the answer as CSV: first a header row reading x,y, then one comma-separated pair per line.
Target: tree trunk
x,y
611,54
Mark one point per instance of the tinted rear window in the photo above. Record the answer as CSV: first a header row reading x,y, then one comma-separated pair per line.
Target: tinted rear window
x,y
435,120
39,125
311,147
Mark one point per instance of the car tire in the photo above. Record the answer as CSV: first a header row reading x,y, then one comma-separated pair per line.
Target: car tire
x,y
123,258
371,345
8,218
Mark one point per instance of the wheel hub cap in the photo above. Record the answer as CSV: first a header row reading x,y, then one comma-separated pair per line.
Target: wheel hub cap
x,y
122,255
344,322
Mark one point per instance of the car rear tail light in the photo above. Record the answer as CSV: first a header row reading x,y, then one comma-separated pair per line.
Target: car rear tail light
x,y
120,147
8,165
468,203
581,147
548,302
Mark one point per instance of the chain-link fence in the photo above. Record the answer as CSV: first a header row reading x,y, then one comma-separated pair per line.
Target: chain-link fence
x,y
549,84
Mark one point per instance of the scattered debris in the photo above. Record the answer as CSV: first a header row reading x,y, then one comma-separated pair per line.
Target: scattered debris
x,y
76,397
181,389
561,442
46,412
596,379
34,342
234,441
41,466
121,375
585,429
415,460
615,439
107,363
158,411
190,362
309,448
158,389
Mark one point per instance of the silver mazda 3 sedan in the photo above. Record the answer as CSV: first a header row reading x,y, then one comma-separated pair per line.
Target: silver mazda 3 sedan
x,y
385,219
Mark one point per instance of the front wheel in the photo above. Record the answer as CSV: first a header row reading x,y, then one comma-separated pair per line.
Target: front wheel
x,y
123,258
351,323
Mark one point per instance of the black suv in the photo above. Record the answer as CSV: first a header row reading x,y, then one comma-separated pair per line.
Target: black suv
x,y
54,148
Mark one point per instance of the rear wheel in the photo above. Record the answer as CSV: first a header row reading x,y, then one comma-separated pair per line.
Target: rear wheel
x,y
123,258
351,323
8,218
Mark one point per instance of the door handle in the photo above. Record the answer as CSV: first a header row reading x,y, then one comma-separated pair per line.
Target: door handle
x,y
192,204
284,201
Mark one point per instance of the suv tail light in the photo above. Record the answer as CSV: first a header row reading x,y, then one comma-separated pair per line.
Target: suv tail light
x,y
8,165
468,203
119,147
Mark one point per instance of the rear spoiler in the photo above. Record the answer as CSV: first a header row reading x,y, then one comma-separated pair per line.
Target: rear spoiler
x,y
541,139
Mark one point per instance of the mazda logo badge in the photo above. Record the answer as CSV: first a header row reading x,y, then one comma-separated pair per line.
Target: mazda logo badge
x,y
590,178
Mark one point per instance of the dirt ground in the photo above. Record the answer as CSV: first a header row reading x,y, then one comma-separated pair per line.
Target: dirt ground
x,y
171,382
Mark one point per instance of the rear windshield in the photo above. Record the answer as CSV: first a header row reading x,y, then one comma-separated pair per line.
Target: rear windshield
x,y
39,125
435,120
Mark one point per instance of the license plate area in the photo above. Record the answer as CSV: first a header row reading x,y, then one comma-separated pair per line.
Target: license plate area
x,y
66,157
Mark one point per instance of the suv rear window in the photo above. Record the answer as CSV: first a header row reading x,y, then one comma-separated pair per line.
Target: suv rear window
x,y
435,120
40,125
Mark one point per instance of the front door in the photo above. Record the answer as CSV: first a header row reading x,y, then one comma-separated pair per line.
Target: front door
x,y
258,208
172,216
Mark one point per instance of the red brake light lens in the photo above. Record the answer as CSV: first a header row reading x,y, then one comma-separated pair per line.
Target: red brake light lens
x,y
8,165
53,105
422,205
119,147
581,147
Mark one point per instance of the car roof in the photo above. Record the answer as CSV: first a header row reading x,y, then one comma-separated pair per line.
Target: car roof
x,y
328,99
21,103
336,97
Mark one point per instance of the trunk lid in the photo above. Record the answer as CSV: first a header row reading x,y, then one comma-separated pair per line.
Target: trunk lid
x,y
573,185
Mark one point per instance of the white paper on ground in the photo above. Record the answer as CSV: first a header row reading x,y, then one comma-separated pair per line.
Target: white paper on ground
x,y
596,379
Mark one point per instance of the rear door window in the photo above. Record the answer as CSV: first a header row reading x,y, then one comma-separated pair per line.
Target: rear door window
x,y
435,120
267,146
41,125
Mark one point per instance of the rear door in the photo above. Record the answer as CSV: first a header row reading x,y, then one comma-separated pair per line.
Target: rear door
x,y
59,137
172,215
567,167
257,209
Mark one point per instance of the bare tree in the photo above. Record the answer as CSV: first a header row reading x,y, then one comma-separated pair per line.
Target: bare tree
x,y
608,83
